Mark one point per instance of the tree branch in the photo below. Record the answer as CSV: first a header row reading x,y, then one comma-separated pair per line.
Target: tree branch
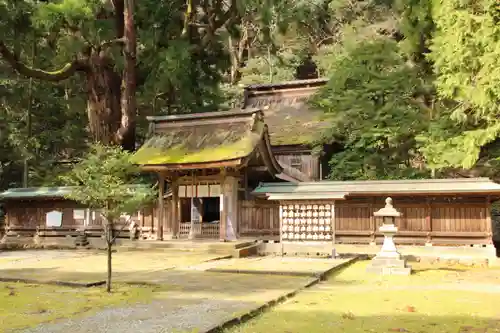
x,y
227,18
108,43
54,76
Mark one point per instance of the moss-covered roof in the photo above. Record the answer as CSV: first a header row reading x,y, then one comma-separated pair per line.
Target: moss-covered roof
x,y
35,193
291,121
41,193
202,138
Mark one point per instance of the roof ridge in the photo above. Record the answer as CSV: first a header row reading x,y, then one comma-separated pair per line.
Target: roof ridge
x,y
389,181
204,115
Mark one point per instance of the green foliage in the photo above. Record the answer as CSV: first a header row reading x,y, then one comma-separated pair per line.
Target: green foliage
x,y
415,84
466,55
107,180
371,105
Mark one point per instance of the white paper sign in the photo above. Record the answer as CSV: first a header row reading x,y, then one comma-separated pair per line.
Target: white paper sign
x,y
53,219
78,214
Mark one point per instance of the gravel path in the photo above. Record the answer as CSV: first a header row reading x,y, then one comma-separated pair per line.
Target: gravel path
x,y
156,317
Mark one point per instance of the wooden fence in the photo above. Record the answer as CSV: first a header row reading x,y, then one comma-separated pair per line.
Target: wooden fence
x,y
427,220
260,219
439,223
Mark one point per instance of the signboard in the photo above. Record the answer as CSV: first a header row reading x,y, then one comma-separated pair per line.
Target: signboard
x,y
78,214
53,219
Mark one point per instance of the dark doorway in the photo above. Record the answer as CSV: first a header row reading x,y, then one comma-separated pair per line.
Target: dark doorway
x,y
211,209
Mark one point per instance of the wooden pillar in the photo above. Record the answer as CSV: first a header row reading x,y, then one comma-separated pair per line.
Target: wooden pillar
x,y
222,205
175,207
373,222
489,226
428,242
332,221
161,202
228,207
231,208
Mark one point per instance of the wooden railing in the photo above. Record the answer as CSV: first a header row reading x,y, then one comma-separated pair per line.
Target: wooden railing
x,y
201,230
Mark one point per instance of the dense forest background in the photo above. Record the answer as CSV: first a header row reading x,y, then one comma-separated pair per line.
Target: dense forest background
x,y
414,85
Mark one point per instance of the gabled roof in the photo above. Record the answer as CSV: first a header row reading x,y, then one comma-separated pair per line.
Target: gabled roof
x,y
291,121
43,193
209,140
217,137
342,189
36,193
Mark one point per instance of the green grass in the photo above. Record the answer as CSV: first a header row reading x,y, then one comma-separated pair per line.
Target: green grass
x,y
434,299
24,305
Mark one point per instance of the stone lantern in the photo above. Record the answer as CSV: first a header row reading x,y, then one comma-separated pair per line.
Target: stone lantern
x,y
388,261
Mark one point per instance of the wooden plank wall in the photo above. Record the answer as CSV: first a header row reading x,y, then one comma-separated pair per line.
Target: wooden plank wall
x,y
259,219
465,221
29,215
309,164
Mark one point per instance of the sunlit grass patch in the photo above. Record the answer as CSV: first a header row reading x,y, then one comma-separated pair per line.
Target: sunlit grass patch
x,y
444,299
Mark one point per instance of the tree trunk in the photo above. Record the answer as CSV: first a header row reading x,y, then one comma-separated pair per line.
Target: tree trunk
x,y
126,133
103,99
109,247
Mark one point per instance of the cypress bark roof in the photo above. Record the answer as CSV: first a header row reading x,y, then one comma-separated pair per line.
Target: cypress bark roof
x,y
211,140
291,121
202,138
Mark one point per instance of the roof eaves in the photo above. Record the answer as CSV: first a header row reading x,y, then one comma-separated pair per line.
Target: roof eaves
x,y
204,115
307,196
287,83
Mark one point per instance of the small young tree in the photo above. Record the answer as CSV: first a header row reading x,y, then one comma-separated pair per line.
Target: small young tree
x,y
107,181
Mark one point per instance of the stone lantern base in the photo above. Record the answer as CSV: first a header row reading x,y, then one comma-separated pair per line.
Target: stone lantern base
x,y
389,261
385,266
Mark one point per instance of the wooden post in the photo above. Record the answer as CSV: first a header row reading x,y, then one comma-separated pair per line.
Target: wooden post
x,y
161,202
222,205
281,228
191,221
373,222
428,242
231,207
489,226
175,207
332,221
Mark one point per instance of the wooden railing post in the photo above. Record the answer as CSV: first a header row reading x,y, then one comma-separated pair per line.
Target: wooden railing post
x,y
428,241
489,226
373,224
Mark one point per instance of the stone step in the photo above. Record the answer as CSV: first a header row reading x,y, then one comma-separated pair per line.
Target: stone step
x,y
389,270
382,262
248,251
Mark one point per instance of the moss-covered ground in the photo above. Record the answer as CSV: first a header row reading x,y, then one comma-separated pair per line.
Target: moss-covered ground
x,y
24,305
444,299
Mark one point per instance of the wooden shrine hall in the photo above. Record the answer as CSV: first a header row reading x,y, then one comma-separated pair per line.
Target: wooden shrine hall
x,y
206,163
